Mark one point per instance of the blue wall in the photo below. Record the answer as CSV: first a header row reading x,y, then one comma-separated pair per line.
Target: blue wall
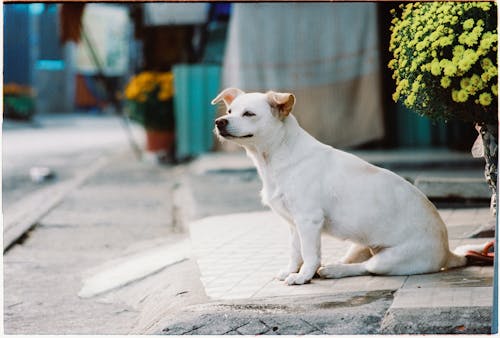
x,y
17,52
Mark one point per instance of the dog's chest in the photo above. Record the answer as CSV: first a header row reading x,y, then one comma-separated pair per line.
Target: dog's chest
x,y
279,205
275,198
271,193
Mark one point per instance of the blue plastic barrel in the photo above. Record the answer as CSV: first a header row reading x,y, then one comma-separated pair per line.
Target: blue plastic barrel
x,y
195,86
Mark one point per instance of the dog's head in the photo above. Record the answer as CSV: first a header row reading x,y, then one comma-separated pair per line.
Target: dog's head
x,y
251,117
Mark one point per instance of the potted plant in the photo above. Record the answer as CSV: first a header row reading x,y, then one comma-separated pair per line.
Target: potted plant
x,y
18,101
445,67
150,102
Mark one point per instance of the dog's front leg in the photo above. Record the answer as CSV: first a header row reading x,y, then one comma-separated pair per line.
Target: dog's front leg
x,y
309,231
295,260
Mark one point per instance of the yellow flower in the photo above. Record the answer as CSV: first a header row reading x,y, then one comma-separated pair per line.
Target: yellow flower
x,y
494,89
458,50
141,86
415,86
131,91
485,6
468,24
421,45
485,76
476,81
465,83
450,69
435,68
445,82
462,96
486,63
441,43
485,99
410,100
464,65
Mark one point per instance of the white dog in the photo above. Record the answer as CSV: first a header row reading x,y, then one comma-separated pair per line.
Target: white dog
x,y
394,228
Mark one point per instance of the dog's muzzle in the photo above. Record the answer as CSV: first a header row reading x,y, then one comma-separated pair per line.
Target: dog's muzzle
x,y
221,125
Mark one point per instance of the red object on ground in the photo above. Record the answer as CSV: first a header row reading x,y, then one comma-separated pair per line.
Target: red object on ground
x,y
486,256
160,140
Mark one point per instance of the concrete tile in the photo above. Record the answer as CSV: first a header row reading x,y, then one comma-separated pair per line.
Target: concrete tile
x,y
462,216
473,276
454,243
369,283
222,283
237,295
254,327
445,214
216,293
483,215
443,297
462,231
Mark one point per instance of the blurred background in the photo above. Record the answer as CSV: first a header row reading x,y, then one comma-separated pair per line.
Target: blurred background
x,y
75,75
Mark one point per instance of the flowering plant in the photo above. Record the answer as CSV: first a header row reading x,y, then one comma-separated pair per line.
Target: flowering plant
x,y
149,96
445,63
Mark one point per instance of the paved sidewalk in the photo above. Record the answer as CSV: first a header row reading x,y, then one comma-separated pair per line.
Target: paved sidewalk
x,y
105,233
239,254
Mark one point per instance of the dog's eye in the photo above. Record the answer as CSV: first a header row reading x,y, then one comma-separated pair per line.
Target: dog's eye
x,y
229,111
248,113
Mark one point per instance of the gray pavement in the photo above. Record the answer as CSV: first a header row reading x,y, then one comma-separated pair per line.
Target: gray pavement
x,y
138,248
66,143
72,146
122,213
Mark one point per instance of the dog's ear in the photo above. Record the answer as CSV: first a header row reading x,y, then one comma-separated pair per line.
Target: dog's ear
x,y
281,103
228,95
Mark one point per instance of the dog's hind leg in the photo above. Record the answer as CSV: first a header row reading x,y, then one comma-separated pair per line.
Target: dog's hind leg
x,y
399,260
407,259
350,264
340,270
357,253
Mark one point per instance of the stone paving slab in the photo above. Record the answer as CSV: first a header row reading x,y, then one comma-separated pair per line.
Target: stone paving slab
x,y
444,320
345,313
439,297
471,276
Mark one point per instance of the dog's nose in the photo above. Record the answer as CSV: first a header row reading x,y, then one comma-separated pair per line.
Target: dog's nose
x,y
221,123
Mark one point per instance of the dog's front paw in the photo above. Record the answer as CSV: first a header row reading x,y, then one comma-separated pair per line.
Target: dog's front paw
x,y
297,279
282,274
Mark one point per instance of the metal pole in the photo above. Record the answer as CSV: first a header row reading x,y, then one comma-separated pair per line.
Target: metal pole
x,y
100,77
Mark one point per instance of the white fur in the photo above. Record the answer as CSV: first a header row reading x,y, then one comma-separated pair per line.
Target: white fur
x,y
394,228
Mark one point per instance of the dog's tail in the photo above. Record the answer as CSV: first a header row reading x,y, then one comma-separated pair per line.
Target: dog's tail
x,y
462,256
456,260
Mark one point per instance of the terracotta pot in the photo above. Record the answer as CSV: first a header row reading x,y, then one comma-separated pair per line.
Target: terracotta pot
x,y
157,141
